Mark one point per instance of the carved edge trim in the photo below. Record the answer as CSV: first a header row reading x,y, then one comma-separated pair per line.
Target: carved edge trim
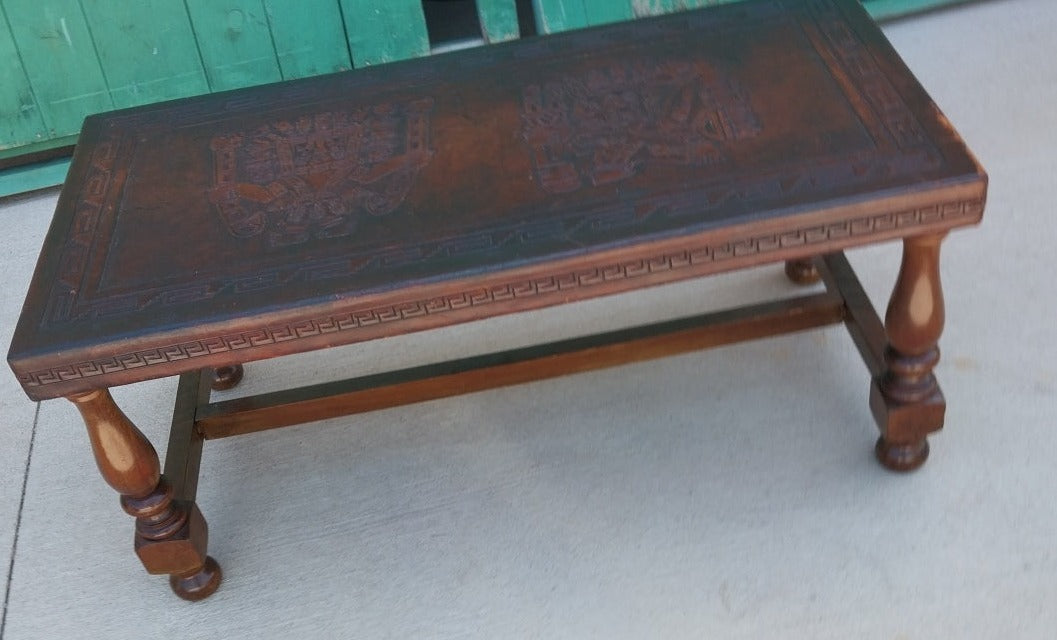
x,y
951,213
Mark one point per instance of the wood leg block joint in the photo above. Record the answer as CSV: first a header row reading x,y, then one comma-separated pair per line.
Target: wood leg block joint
x,y
183,551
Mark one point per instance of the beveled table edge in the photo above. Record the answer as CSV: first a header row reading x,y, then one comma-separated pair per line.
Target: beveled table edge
x,y
958,203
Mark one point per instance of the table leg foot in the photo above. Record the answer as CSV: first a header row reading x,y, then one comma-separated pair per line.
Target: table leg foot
x,y
225,378
200,584
905,398
802,271
171,534
901,457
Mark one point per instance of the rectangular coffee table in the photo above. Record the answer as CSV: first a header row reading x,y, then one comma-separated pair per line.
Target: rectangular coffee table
x,y
198,235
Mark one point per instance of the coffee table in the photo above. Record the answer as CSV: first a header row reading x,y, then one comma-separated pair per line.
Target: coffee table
x,y
194,236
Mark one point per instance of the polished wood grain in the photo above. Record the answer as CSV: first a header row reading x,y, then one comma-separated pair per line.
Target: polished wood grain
x,y
577,355
171,535
906,399
126,459
183,455
860,318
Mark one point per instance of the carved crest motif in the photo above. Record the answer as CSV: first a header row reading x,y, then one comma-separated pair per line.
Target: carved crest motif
x,y
605,126
317,176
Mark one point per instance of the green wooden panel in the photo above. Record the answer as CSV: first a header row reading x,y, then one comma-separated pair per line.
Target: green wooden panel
x,y
235,42
20,121
60,62
606,11
33,177
309,37
146,49
885,9
498,20
385,30
644,8
43,145
555,16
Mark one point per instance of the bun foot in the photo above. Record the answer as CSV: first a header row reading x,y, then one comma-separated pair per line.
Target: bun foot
x,y
198,586
225,378
902,457
802,271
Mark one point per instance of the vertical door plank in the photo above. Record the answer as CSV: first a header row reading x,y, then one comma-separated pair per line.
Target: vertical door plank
x,y
235,42
696,4
60,62
884,9
309,37
606,11
20,121
385,30
146,49
555,16
498,20
644,8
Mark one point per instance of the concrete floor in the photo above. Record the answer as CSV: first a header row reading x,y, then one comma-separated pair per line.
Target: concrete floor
x,y
670,499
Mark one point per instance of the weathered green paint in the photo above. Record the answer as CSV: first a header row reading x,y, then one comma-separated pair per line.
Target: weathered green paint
x,y
146,49
886,9
309,37
385,30
235,42
644,8
606,11
498,20
60,62
555,16
33,177
20,121
43,145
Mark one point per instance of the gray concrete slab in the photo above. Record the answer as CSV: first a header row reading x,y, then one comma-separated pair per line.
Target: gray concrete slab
x,y
27,221
667,499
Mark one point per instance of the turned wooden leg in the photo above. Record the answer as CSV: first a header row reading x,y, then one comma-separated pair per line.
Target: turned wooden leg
x,y
906,400
225,378
802,271
171,535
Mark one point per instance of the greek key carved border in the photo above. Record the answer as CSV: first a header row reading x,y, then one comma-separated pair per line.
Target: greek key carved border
x,y
951,213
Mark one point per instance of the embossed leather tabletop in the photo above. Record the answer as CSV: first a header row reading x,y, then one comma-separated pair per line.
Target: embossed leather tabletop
x,y
283,218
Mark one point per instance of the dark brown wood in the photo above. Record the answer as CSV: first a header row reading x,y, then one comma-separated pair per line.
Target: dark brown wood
x,y
184,453
227,377
171,535
33,157
338,209
802,271
492,181
915,318
124,456
906,399
861,319
329,400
